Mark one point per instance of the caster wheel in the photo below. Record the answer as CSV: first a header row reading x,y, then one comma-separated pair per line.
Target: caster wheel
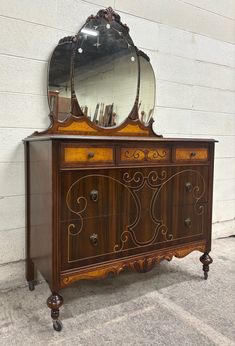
x,y
57,325
205,275
31,285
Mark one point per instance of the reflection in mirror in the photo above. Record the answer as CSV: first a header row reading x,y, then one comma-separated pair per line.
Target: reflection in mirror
x,y
59,88
147,89
105,72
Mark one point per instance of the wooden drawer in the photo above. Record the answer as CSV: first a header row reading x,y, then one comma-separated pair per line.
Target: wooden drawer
x,y
191,154
131,155
90,155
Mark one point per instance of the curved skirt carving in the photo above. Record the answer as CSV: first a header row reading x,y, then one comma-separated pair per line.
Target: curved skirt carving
x,y
140,264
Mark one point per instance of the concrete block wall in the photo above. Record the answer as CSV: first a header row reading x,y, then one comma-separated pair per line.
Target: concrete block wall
x,y
191,45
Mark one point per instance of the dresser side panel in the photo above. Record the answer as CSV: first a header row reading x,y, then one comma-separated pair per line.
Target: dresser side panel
x,y
40,205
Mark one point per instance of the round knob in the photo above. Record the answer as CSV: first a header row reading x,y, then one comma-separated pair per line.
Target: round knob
x,y
94,195
90,155
188,222
193,154
94,239
188,187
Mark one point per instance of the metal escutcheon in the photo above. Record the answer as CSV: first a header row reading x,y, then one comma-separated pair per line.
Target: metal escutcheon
x,y
188,187
188,222
94,239
94,195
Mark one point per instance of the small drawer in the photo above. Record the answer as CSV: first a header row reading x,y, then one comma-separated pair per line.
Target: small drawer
x,y
144,154
191,154
87,155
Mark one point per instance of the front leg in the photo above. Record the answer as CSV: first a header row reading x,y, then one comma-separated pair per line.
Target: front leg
x,y
54,302
206,261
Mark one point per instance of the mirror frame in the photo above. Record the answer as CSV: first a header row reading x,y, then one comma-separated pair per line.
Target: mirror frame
x,y
78,123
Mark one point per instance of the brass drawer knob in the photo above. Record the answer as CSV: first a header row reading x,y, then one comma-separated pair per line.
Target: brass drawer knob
x,y
188,222
94,195
94,239
193,154
91,155
189,187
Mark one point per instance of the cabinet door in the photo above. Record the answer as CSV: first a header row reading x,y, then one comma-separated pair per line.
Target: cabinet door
x,y
110,213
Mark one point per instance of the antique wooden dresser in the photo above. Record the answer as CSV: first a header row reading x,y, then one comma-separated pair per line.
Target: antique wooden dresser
x,y
104,192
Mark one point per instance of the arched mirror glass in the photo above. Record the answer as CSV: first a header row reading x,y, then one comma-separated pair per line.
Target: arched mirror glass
x,y
59,82
105,72
147,89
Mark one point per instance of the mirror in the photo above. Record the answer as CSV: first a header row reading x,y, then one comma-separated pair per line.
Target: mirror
x,y
99,73
105,72
59,83
147,89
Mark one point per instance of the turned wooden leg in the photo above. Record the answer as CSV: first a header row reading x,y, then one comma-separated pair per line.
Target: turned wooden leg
x,y
54,302
206,261
30,274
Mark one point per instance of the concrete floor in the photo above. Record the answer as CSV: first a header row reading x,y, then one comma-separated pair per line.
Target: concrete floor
x,y
171,305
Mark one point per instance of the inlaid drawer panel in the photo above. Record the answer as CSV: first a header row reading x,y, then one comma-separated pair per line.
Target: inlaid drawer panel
x,y
91,155
144,155
191,154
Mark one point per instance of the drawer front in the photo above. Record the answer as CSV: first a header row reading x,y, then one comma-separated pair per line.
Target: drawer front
x,y
110,213
91,155
191,154
131,155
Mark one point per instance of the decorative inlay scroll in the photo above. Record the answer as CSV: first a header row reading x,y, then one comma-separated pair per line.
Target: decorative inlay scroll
x,y
140,264
137,154
134,183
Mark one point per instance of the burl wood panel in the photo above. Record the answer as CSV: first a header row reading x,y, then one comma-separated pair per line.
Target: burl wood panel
x,y
88,154
144,154
134,210
182,154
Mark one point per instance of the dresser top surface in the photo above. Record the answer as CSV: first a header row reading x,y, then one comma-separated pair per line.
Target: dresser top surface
x,y
113,138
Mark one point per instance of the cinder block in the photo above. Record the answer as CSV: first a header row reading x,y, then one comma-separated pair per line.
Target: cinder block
x,y
224,168
181,15
24,111
12,245
176,42
11,145
174,69
23,75
12,275
12,179
12,213
223,229
223,210
224,8
25,39
72,15
224,189
144,33
39,11
213,100
215,76
174,95
225,146
212,123
215,51
172,121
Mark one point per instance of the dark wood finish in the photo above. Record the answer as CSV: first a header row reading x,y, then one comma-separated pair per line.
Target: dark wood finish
x,y
206,261
85,221
54,302
105,200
